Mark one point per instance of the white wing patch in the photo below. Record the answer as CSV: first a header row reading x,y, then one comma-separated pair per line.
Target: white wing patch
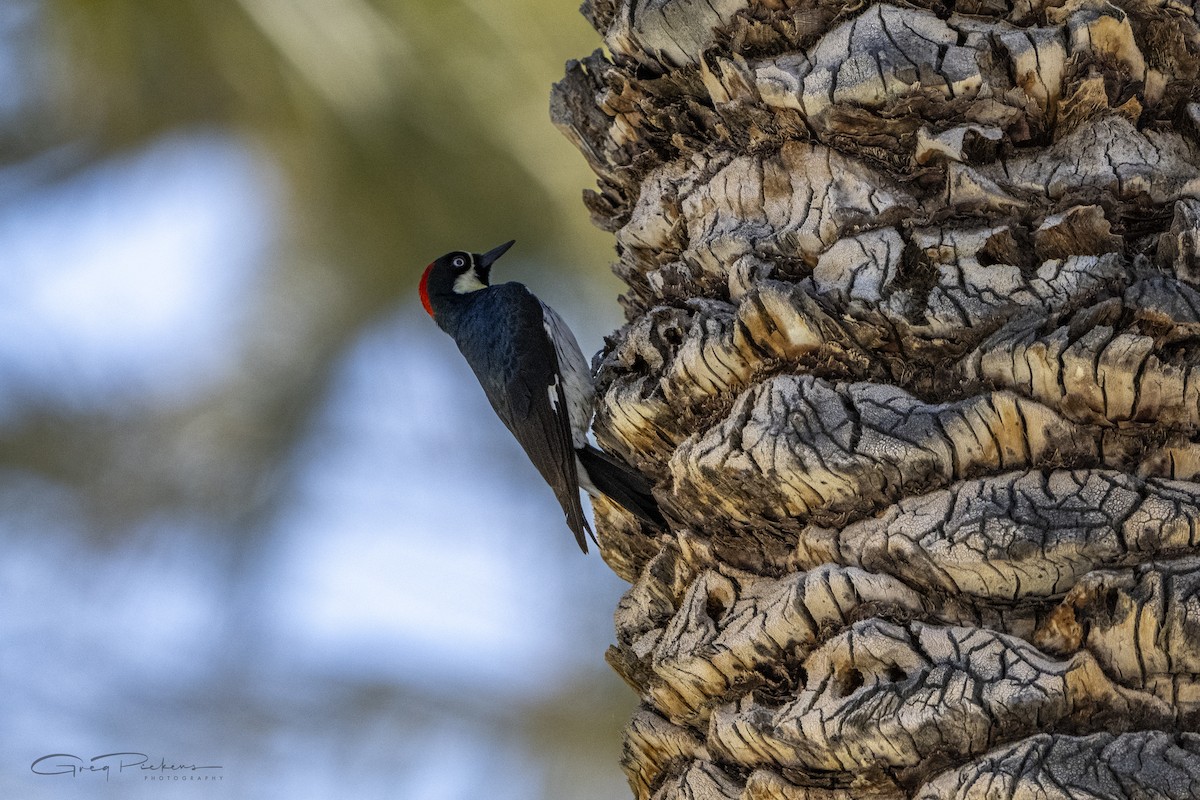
x,y
577,378
552,390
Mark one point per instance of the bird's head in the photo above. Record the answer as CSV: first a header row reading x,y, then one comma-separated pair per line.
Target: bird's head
x,y
457,274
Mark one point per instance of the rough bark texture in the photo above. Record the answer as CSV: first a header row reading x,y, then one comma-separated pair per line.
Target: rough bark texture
x,y
913,353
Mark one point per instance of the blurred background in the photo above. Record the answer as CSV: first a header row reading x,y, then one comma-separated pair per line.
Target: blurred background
x,y
255,510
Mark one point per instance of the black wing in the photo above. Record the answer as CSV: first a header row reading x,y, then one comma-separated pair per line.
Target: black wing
x,y
518,369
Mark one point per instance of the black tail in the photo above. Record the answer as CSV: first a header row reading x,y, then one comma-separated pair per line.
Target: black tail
x,y
621,484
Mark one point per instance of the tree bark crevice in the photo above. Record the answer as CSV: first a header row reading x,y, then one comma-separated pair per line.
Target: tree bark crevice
x,y
911,352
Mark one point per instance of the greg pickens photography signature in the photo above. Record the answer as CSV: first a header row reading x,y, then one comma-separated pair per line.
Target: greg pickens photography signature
x,y
127,763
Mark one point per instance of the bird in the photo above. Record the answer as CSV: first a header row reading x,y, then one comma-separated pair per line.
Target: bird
x,y
531,368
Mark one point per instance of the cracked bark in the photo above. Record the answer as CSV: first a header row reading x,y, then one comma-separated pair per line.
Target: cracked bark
x,y
913,354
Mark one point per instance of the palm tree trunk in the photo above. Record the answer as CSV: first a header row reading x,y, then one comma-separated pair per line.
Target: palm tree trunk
x,y
912,346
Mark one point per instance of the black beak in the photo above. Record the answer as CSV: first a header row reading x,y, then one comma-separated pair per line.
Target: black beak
x,y
487,259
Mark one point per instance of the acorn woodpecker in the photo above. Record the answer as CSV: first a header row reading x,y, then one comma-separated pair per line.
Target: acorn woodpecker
x,y
537,380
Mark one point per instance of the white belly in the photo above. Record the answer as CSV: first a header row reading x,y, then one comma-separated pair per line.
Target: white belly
x,y
576,376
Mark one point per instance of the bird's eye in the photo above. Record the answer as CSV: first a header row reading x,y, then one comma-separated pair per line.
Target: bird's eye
x,y
459,262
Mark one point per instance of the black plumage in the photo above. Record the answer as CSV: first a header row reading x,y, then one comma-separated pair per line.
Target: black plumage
x,y
535,377
499,332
